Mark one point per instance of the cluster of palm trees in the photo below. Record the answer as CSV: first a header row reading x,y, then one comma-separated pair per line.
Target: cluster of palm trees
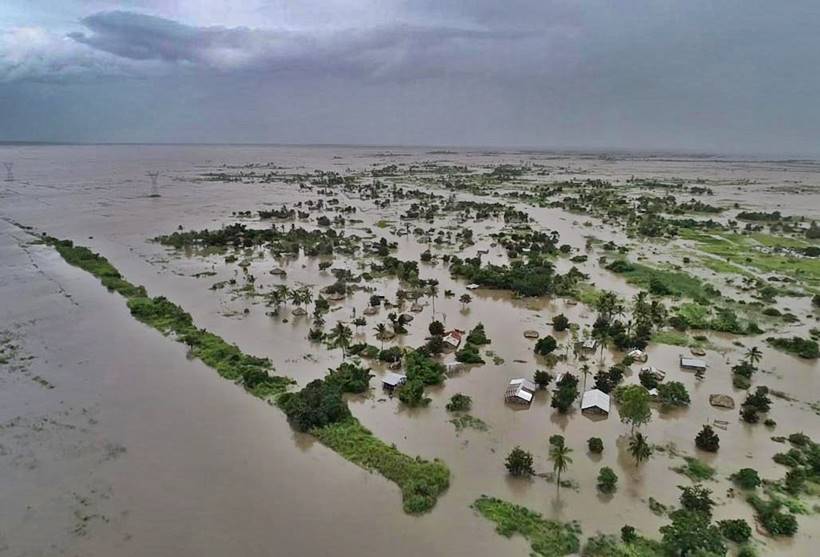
x,y
282,294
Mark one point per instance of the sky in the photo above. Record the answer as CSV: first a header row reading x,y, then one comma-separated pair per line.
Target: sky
x,y
723,76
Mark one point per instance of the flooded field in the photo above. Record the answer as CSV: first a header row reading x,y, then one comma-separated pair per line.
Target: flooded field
x,y
114,440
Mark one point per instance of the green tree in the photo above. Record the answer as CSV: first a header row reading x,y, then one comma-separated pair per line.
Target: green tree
x,y
707,439
519,462
465,300
340,337
633,405
691,534
753,355
545,345
607,480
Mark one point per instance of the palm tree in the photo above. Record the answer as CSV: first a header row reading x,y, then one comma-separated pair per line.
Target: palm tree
x,y
432,291
381,331
753,356
559,455
340,337
585,371
639,449
606,305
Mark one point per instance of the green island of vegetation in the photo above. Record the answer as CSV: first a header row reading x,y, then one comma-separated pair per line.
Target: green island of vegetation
x,y
420,481
547,537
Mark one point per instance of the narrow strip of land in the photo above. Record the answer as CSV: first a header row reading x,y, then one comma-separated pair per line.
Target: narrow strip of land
x,y
421,481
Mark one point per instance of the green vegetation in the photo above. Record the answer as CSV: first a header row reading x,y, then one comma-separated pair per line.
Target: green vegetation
x,y
695,469
459,403
421,481
535,277
478,336
707,439
747,251
805,348
466,421
633,546
746,478
736,530
547,538
519,462
662,282
607,480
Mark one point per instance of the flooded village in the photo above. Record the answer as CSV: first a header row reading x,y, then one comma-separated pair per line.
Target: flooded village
x,y
408,351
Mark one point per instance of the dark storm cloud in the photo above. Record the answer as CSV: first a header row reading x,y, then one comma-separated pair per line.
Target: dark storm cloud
x,y
375,51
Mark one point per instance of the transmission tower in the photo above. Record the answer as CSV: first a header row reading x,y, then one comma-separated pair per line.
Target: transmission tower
x,y
9,173
154,176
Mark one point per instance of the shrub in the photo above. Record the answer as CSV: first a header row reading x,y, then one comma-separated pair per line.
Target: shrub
x,y
412,393
478,336
736,530
545,345
595,445
707,439
776,522
628,534
560,323
565,394
459,403
318,404
542,378
673,393
697,498
746,478
607,480
436,328
469,355
519,462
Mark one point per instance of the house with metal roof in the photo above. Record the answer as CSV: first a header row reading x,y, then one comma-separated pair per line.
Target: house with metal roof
x,y
595,401
392,380
520,391
694,364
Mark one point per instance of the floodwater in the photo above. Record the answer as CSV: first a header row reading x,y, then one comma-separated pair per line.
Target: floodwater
x,y
137,450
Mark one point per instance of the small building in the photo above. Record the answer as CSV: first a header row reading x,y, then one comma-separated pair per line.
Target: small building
x,y
589,345
695,364
595,401
453,338
520,391
392,380
471,286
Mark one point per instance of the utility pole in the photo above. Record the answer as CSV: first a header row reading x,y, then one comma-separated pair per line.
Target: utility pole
x,y
154,176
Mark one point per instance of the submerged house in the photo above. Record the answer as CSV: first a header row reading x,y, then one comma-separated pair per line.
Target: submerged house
x,y
453,338
520,391
392,380
695,364
596,402
589,345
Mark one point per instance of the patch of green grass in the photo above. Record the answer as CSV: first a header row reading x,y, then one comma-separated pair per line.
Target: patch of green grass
x,y
673,338
547,537
663,281
695,469
610,546
745,251
587,295
467,421
421,481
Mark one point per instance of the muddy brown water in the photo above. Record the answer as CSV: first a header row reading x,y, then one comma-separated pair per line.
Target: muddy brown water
x,y
138,450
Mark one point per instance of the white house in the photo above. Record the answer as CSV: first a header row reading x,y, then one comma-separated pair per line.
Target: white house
x,y
595,401
392,380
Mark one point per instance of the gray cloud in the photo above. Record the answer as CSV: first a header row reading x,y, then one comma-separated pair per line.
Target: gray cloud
x,y
734,75
402,50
